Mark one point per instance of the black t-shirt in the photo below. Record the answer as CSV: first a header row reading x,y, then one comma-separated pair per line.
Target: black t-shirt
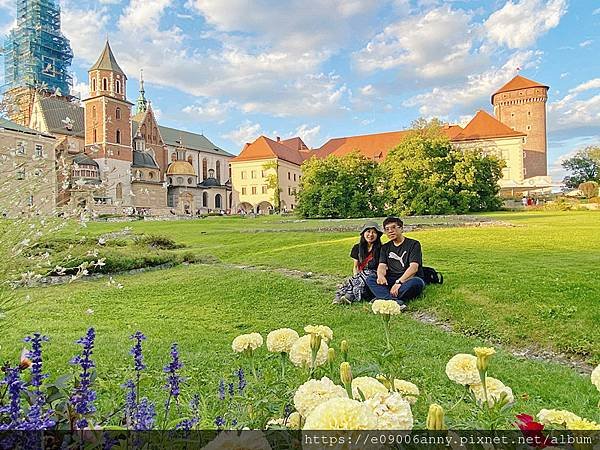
x,y
398,258
372,264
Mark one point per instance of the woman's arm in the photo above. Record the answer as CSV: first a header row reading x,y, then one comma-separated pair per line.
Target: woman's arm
x,y
355,268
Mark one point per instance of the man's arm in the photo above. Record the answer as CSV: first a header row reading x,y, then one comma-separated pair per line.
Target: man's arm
x,y
413,268
381,272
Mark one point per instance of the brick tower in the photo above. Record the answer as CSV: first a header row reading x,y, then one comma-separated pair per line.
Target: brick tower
x,y
108,126
521,104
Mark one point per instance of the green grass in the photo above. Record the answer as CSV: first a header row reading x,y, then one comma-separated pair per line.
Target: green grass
x,y
531,285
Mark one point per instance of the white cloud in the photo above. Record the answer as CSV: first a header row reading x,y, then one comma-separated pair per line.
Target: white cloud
x,y
85,29
441,102
211,110
437,44
564,75
586,43
245,133
590,84
80,88
519,25
307,134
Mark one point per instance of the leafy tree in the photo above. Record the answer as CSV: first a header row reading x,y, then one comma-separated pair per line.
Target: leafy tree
x,y
340,187
589,189
584,166
273,183
426,174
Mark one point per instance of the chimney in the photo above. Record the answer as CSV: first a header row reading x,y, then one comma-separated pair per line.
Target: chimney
x,y
278,139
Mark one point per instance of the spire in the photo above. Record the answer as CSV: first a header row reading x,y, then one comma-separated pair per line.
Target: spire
x,y
142,103
107,61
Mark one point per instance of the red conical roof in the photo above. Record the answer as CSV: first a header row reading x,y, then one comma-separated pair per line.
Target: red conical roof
x,y
518,83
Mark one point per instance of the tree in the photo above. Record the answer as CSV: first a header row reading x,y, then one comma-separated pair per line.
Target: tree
x,y
426,174
340,187
589,189
273,183
584,166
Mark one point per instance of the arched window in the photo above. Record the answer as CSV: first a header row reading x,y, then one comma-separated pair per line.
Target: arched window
x,y
93,84
118,113
151,175
204,169
118,136
190,160
95,136
190,180
140,175
173,156
219,171
170,180
119,191
105,84
118,86
94,112
218,201
205,199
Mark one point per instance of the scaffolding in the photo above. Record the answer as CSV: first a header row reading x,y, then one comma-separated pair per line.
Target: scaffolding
x,y
36,53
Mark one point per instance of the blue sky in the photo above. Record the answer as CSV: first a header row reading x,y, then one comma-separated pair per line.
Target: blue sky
x,y
235,69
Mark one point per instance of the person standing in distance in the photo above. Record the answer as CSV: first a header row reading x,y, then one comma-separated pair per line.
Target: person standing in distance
x,y
400,271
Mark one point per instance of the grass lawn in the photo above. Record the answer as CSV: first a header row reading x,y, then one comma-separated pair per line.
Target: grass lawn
x,y
534,284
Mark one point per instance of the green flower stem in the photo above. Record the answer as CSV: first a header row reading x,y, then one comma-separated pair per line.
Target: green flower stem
x,y
251,355
348,387
386,327
482,374
282,354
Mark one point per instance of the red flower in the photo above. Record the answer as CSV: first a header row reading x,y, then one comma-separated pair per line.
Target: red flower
x,y
532,430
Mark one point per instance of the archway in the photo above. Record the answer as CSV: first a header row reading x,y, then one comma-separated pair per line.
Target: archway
x,y
264,208
185,202
218,201
246,207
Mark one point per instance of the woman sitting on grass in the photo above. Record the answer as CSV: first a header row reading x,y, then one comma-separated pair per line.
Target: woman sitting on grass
x,y
366,258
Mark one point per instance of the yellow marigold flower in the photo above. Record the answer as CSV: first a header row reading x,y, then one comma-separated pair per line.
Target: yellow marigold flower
x,y
314,392
596,377
390,307
341,414
582,424
495,389
281,340
301,354
556,416
483,357
462,369
392,411
484,351
247,342
369,386
321,330
232,441
408,390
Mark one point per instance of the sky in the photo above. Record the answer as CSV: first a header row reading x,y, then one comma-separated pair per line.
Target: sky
x,y
318,69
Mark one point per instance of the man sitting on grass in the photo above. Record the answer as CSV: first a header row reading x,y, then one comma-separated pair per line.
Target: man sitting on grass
x,y
400,271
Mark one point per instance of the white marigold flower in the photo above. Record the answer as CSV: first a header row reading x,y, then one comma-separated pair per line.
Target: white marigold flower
x,y
596,377
556,416
462,369
320,330
244,342
281,340
292,422
392,411
231,440
390,307
408,390
369,386
301,354
341,414
314,392
495,389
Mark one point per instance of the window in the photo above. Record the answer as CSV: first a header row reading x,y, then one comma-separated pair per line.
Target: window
x,y
93,84
179,180
104,84
30,200
253,174
294,177
190,180
204,169
118,86
118,113
205,199
292,206
119,191
151,175
218,201
243,174
289,176
262,173
253,190
264,189
528,113
173,157
289,191
170,180
190,159
218,166
243,191
118,136
21,174
20,148
94,113
95,136
39,150
528,127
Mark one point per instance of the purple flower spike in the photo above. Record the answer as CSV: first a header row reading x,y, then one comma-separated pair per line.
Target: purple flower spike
x,y
83,396
221,390
144,416
35,355
14,387
136,351
241,379
173,379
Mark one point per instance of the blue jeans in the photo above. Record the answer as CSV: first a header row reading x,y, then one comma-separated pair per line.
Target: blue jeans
x,y
410,289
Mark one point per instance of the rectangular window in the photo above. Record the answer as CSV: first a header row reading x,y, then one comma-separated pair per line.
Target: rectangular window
x,y
262,173
264,189
289,176
243,174
294,177
39,150
243,191
20,148
253,174
253,190
289,191
20,174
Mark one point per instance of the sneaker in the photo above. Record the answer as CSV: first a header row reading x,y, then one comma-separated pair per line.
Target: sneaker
x,y
401,304
343,300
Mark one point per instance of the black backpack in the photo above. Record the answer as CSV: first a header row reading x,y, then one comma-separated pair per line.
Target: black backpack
x,y
432,276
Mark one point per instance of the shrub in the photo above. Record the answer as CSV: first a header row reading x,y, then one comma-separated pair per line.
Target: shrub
x,y
157,242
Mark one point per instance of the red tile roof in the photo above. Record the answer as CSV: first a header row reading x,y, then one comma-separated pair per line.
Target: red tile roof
x,y
484,126
374,146
517,83
265,148
296,143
